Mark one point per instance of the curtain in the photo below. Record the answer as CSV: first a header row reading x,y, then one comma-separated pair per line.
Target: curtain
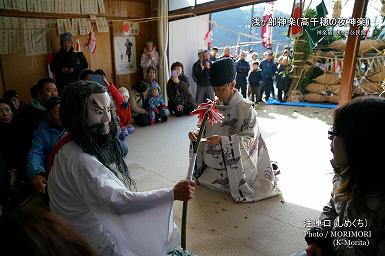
x,y
163,44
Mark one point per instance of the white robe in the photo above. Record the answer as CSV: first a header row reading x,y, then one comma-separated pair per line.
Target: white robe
x,y
240,165
114,220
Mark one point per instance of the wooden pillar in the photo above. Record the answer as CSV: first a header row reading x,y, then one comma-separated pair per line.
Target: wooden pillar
x,y
350,58
4,87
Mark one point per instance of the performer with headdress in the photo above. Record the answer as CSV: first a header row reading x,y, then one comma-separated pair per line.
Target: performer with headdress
x,y
90,185
234,158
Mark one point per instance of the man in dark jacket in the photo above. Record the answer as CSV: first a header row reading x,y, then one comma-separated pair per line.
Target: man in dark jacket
x,y
268,69
242,67
201,76
67,64
254,81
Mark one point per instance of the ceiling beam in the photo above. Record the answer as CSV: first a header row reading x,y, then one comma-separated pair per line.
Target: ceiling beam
x,y
211,7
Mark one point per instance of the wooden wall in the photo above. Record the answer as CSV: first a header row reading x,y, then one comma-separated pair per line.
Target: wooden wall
x,y
20,72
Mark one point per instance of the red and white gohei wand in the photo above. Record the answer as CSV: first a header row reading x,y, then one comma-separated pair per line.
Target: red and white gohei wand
x,y
205,111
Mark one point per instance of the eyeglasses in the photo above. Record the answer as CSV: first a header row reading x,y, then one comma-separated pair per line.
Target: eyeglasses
x,y
332,133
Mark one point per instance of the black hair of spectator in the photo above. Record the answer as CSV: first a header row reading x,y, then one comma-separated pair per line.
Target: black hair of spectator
x,y
6,102
100,72
42,82
141,86
177,64
39,232
150,68
84,73
361,124
34,91
10,94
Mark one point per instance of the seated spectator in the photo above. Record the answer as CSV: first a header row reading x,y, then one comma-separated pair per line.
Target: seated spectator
x,y
139,102
45,89
19,109
180,100
40,233
358,185
4,184
15,142
85,74
44,139
124,113
156,105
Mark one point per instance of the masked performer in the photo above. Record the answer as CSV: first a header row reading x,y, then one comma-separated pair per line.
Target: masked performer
x,y
89,183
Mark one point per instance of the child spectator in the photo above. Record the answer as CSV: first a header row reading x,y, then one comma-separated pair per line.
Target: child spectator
x,y
156,106
44,139
124,113
254,81
357,204
283,78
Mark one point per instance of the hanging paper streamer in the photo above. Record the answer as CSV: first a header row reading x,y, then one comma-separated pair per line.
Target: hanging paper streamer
x,y
91,42
78,46
296,14
208,36
267,28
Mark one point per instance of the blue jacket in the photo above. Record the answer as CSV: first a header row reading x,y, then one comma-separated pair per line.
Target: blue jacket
x,y
44,140
242,68
268,69
255,77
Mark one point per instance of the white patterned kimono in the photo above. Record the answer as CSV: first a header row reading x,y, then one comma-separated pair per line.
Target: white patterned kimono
x,y
240,165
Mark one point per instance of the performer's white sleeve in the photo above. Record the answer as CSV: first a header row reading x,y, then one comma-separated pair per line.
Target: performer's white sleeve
x,y
99,186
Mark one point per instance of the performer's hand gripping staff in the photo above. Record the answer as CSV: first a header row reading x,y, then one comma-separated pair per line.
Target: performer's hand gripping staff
x,y
205,111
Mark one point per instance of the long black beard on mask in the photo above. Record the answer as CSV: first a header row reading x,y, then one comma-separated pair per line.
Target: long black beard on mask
x,y
106,148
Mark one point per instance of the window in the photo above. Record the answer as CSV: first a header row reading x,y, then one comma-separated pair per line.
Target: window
x,y
204,1
179,4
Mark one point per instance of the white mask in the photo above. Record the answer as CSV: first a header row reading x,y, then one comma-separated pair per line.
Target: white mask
x,y
99,112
